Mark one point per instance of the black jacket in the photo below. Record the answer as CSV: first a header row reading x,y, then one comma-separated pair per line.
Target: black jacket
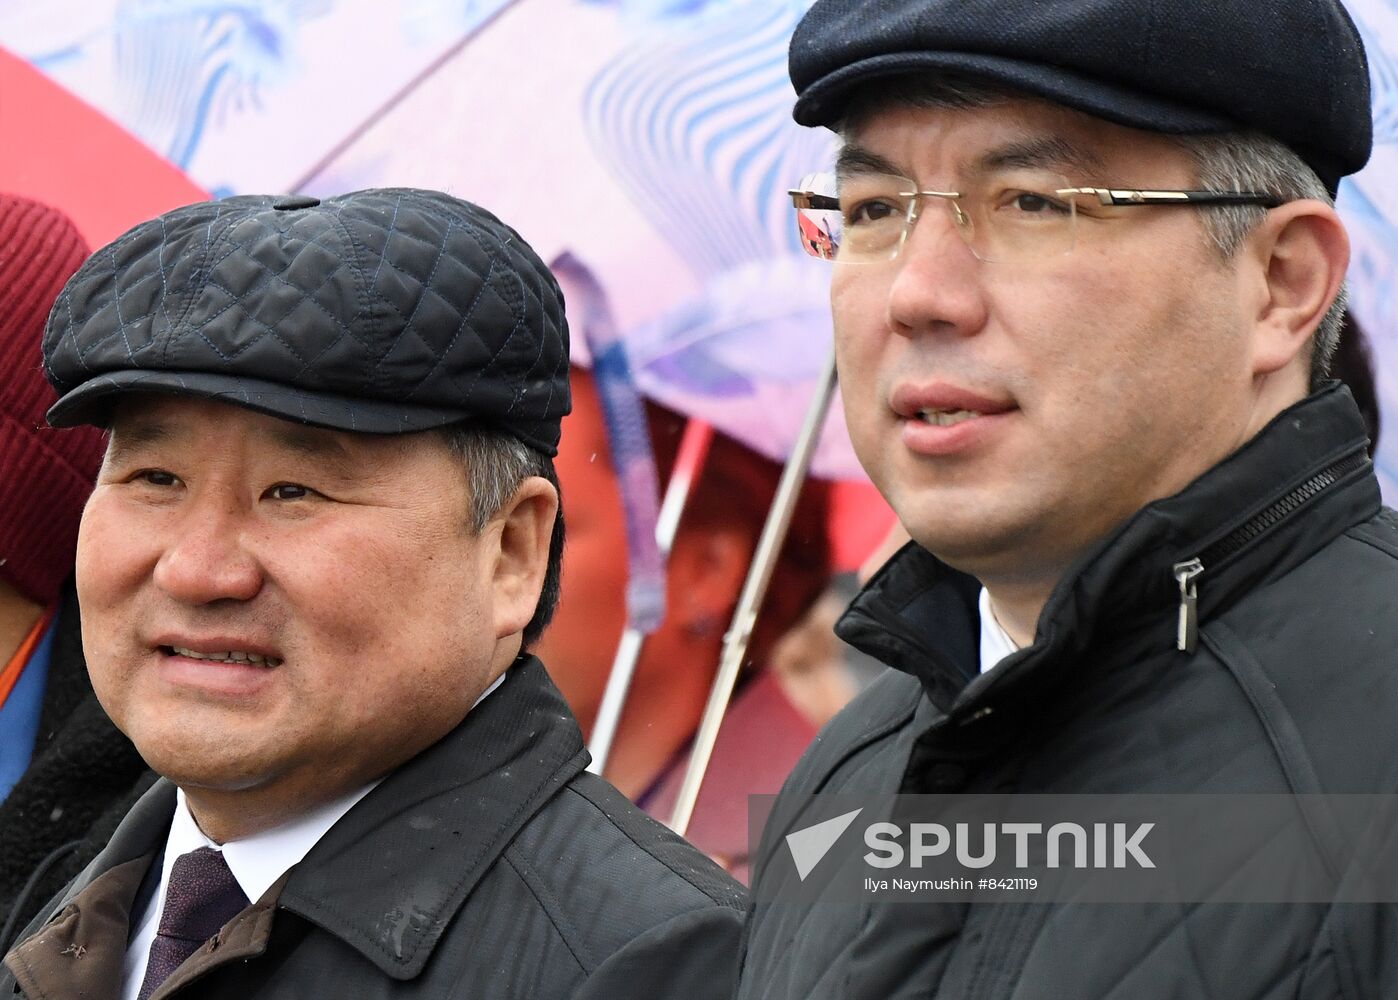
x,y
84,777
490,865
1292,687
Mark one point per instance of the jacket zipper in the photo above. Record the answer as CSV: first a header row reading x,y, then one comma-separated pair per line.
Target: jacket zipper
x,y
1188,571
1187,627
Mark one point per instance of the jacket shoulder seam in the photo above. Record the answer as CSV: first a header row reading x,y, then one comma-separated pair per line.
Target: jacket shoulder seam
x,y
1362,533
1277,722
866,736
1283,736
549,903
573,786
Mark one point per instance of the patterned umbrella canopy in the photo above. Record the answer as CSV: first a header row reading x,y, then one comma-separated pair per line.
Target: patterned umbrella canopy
x,y
64,139
649,140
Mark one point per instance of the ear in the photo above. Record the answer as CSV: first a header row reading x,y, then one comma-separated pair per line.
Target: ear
x,y
1304,251
524,527
707,567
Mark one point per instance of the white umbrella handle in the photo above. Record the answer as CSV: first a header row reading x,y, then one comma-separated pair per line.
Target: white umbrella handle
x,y
764,560
689,463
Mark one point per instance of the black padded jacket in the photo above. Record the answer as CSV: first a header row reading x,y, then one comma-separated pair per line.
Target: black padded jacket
x,y
1292,686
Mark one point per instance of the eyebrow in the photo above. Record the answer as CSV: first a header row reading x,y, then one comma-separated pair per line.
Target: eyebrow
x,y
308,442
132,435
1042,151
856,159
1035,153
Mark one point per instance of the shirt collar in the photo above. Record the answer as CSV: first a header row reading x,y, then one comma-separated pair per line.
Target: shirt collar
x,y
996,643
257,862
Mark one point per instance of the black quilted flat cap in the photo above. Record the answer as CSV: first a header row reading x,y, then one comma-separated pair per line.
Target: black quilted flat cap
x,y
1292,69
382,311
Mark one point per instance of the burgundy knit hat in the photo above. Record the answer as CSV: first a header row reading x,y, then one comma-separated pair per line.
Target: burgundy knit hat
x,y
45,474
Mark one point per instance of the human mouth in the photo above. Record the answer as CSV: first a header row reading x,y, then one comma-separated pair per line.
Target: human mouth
x,y
939,419
225,668
229,656
946,418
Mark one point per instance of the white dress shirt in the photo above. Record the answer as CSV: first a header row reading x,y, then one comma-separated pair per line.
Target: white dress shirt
x,y
257,862
996,643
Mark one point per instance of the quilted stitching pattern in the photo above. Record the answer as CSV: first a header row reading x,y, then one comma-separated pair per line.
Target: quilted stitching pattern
x,y
382,310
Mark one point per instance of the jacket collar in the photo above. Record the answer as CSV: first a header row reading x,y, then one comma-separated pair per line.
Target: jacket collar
x,y
141,834
919,615
390,876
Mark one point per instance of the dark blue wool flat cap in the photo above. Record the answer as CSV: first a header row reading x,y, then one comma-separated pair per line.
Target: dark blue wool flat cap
x,y
1291,69
382,311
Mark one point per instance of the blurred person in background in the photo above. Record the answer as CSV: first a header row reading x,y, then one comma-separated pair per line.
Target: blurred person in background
x,y
763,733
67,775
819,671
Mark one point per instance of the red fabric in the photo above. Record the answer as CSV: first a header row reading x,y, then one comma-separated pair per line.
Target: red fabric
x,y
760,741
860,519
45,474
55,145
64,152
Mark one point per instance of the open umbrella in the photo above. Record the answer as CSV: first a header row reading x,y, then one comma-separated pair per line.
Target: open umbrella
x,y
62,142
649,140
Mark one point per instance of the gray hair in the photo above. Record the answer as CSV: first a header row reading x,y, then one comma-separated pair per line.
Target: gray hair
x,y
1233,161
1251,161
496,464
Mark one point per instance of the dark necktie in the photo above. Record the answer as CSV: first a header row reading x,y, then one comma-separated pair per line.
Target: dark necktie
x,y
201,897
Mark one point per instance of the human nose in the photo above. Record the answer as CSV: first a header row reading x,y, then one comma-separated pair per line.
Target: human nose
x,y
937,282
206,558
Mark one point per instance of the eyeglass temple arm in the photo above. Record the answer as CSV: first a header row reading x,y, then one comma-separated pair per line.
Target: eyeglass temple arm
x,y
1115,196
809,199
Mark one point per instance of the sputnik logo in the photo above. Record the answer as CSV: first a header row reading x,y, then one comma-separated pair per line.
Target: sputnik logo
x,y
808,846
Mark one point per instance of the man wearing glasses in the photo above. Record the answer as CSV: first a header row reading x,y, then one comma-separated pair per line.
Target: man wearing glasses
x,y
1087,280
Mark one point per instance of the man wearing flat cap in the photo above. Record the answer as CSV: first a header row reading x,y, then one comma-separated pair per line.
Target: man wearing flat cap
x,y
1087,281
324,535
